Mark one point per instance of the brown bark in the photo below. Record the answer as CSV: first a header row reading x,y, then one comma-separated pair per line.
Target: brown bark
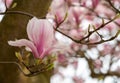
x,y
13,26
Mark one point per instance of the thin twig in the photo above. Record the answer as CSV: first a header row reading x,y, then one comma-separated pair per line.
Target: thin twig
x,y
13,62
17,12
109,1
5,1
89,34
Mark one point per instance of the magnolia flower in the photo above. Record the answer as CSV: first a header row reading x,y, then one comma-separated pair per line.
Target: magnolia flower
x,y
95,3
40,34
74,14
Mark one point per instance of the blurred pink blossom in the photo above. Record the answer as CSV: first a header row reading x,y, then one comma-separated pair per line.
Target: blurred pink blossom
x,y
98,63
107,49
59,17
101,10
78,80
56,5
75,64
77,34
40,34
74,15
118,21
72,2
62,58
111,26
95,3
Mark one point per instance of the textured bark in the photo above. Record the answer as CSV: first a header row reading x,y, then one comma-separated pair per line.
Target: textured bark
x,y
12,27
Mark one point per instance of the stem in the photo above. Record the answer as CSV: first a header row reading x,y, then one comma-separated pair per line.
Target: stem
x,y
17,12
113,6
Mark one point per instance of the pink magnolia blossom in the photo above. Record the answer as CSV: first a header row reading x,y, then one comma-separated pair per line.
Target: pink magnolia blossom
x,y
89,3
98,63
72,2
95,3
78,80
59,16
107,49
78,34
62,58
74,14
101,10
41,36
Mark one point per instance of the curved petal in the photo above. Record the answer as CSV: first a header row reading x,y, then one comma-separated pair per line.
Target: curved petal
x,y
43,54
45,36
40,32
46,51
27,43
30,27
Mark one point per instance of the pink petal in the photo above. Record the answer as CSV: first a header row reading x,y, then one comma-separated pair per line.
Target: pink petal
x,y
40,32
43,54
8,3
27,43
30,27
95,3
45,36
